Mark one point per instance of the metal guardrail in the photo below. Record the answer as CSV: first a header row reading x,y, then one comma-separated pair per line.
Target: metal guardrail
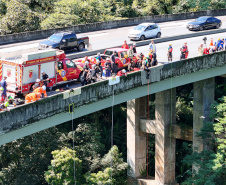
x,y
146,42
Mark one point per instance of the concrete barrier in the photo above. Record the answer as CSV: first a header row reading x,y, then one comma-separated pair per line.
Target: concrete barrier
x,y
82,28
146,42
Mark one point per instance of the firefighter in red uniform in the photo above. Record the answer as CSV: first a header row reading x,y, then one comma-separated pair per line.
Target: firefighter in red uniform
x,y
125,45
184,51
169,54
206,51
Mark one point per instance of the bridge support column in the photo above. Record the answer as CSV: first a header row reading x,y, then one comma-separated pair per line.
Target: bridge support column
x,y
136,140
165,103
203,98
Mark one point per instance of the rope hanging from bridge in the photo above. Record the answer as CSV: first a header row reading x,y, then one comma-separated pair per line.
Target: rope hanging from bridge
x,y
112,127
71,111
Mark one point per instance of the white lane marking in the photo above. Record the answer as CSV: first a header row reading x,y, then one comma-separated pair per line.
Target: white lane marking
x,y
98,35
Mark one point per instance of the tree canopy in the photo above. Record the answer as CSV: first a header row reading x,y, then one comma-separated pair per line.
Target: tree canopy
x,y
28,15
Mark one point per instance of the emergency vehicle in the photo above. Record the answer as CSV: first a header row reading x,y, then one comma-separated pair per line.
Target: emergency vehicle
x,y
121,58
23,65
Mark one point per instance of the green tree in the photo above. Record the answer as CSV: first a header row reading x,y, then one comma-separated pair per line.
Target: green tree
x,y
19,18
211,162
24,161
72,12
88,145
61,171
113,168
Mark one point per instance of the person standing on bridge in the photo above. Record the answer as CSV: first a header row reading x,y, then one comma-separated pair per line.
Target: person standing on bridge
x,y
152,46
170,53
112,57
134,48
86,70
125,45
107,66
45,78
200,50
4,89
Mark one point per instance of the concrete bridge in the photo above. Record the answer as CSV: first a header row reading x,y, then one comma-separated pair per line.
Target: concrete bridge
x,y
134,88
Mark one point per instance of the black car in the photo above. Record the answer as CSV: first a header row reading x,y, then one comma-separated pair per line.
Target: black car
x,y
204,23
64,40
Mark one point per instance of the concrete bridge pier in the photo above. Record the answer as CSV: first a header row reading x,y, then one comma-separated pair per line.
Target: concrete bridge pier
x,y
203,98
165,104
165,115
136,140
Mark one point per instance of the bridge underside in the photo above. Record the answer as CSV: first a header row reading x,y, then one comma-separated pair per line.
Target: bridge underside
x,y
52,111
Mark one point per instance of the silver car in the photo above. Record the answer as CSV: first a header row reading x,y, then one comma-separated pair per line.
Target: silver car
x,y
145,30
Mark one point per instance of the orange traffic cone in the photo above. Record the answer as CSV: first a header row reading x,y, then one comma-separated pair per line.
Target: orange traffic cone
x,y
211,42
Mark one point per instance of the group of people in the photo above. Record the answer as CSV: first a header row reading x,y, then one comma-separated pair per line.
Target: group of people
x,y
92,73
219,45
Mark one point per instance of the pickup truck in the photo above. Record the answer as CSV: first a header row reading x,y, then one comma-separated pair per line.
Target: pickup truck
x,y
121,59
64,41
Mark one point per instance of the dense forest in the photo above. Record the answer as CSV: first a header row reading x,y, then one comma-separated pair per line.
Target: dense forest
x,y
51,156
29,15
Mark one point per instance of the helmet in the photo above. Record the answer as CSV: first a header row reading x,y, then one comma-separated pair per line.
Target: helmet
x,y
147,57
125,56
38,80
123,71
43,87
98,53
97,61
144,58
108,58
170,44
42,71
6,104
86,62
134,44
219,39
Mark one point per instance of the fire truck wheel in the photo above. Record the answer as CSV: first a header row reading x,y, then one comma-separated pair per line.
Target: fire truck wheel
x,y
81,46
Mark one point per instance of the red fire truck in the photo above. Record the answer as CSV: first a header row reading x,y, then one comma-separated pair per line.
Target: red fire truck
x,y
23,66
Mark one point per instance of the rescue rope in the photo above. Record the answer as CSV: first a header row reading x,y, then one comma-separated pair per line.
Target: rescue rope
x,y
71,111
112,127
147,119
73,136
171,120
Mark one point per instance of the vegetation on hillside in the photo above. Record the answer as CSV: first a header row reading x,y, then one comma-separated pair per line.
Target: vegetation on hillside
x,y
29,15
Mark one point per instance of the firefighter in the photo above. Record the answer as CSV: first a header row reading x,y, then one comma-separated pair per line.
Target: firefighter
x,y
37,84
3,84
125,45
184,51
169,54
41,90
32,97
45,78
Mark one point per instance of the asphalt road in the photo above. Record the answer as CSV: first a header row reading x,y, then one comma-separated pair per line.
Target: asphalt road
x,y
113,37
